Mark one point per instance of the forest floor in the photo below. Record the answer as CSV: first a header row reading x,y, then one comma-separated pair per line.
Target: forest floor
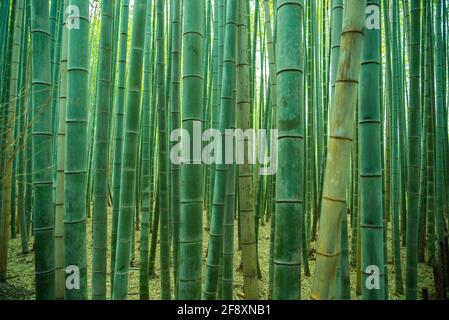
x,y
20,280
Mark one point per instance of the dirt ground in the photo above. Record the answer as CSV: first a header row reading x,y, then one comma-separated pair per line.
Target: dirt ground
x,y
20,280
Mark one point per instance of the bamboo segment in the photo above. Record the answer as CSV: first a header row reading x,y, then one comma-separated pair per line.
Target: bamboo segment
x,y
191,223
129,159
413,156
371,206
23,130
43,216
118,132
146,165
101,151
246,190
8,157
395,162
175,123
163,159
290,123
60,163
339,146
76,152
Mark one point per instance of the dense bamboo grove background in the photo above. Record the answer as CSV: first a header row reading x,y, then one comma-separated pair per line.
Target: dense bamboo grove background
x,y
92,94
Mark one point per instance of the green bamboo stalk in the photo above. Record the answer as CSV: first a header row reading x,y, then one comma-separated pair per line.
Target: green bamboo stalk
x,y
254,52
354,204
207,58
56,70
428,138
8,180
175,123
5,13
312,110
388,107
246,193
154,234
115,49
425,98
190,232
337,20
163,158
101,152
371,206
43,215
260,124
358,280
289,178
273,102
413,154
307,214
271,54
402,126
28,138
28,151
129,160
54,8
215,242
76,153
326,49
227,266
207,100
118,131
395,161
60,165
215,100
153,192
168,44
228,97
441,142
146,183
345,285
23,129
317,101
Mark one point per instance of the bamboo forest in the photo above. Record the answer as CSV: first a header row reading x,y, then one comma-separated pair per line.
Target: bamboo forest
x,y
224,149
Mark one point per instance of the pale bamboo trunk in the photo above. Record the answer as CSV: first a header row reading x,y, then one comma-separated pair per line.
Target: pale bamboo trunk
x,y
339,150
